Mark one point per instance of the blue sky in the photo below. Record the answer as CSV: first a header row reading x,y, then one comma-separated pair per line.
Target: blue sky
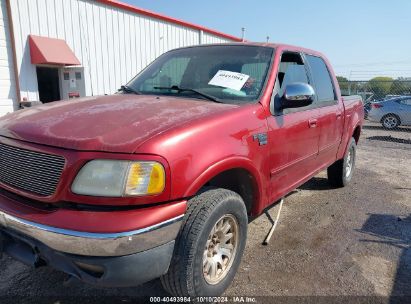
x,y
362,38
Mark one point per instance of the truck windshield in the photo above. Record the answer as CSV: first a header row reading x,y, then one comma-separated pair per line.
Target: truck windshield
x,y
223,73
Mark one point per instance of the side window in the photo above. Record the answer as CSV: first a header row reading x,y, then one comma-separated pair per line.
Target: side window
x,y
406,102
322,80
291,69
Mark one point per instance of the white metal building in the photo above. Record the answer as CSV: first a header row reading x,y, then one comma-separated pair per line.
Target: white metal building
x,y
58,49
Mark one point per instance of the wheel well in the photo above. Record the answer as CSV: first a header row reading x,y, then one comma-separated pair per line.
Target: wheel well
x,y
356,134
240,181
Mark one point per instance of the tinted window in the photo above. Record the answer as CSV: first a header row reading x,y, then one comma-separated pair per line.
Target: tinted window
x,y
322,80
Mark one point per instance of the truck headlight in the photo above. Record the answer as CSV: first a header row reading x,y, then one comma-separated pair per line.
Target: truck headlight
x,y
117,178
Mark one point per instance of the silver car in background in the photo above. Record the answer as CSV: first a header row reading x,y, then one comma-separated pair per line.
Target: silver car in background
x,y
391,113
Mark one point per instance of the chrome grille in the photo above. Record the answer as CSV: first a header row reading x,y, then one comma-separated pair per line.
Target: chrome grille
x,y
30,171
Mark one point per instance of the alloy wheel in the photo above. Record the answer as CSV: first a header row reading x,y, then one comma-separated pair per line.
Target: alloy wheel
x,y
220,249
390,122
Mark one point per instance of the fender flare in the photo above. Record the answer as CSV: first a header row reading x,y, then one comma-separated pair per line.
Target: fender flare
x,y
350,127
225,165
350,135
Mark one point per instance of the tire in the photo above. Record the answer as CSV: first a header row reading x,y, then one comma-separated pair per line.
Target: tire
x,y
340,173
390,121
185,276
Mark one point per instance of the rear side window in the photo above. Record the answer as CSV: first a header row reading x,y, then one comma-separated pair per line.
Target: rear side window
x,y
406,102
322,79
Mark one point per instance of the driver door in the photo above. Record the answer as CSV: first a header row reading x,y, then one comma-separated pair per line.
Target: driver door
x,y
293,133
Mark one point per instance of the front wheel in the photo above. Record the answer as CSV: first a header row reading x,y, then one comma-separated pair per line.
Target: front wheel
x,y
210,245
340,173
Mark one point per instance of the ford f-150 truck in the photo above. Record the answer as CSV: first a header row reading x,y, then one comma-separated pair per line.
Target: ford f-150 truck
x,y
160,179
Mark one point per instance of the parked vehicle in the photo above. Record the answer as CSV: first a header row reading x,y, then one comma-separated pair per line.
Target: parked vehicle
x,y
367,108
391,113
160,179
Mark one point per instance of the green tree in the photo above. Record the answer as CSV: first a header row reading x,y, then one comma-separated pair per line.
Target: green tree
x,y
380,86
401,86
344,84
349,87
342,79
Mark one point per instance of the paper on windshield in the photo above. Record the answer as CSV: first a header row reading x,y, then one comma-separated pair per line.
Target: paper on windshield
x,y
228,79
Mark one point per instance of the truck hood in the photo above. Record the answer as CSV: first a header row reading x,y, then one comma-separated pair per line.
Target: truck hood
x,y
116,123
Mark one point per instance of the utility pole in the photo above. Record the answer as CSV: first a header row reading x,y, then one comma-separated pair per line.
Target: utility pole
x,y
242,34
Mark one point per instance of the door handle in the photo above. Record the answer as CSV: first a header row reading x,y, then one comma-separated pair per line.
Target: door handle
x,y
339,114
312,123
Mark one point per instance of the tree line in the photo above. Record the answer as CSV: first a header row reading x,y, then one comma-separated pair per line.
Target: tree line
x,y
379,86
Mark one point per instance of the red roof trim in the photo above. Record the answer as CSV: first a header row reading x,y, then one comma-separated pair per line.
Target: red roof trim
x,y
141,11
45,50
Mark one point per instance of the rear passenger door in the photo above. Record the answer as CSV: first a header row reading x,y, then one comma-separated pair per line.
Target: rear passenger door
x,y
330,118
405,111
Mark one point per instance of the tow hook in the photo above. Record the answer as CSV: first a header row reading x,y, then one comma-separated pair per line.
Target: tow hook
x,y
38,261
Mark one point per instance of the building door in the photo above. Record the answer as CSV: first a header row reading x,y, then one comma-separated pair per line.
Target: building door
x,y
48,84
72,83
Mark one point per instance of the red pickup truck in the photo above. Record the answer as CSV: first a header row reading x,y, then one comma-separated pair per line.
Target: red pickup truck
x,y
161,178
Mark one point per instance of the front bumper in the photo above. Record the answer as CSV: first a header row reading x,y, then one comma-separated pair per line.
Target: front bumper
x,y
112,259
121,271
105,248
95,244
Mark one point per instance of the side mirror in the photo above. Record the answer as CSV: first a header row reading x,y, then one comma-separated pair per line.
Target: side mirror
x,y
297,95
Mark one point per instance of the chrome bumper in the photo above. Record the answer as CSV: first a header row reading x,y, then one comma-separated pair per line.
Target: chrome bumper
x,y
95,244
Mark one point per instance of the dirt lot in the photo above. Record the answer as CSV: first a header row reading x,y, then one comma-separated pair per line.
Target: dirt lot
x,y
330,242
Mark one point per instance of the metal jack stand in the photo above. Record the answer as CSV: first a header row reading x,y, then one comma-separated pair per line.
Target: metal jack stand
x,y
274,223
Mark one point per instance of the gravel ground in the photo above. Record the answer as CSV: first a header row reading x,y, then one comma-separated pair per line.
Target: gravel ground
x,y
353,241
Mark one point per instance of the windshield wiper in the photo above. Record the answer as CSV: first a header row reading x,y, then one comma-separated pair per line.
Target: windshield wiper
x,y
128,89
177,88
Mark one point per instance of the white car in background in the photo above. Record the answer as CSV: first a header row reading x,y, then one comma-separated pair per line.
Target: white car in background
x,y
392,113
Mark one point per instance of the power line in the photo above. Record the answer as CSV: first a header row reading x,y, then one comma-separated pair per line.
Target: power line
x,y
408,61
374,71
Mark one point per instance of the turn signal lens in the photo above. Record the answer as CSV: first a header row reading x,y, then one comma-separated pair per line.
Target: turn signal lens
x,y
145,178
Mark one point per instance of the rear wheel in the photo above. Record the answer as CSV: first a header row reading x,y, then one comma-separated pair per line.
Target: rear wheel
x,y
341,172
390,121
210,245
